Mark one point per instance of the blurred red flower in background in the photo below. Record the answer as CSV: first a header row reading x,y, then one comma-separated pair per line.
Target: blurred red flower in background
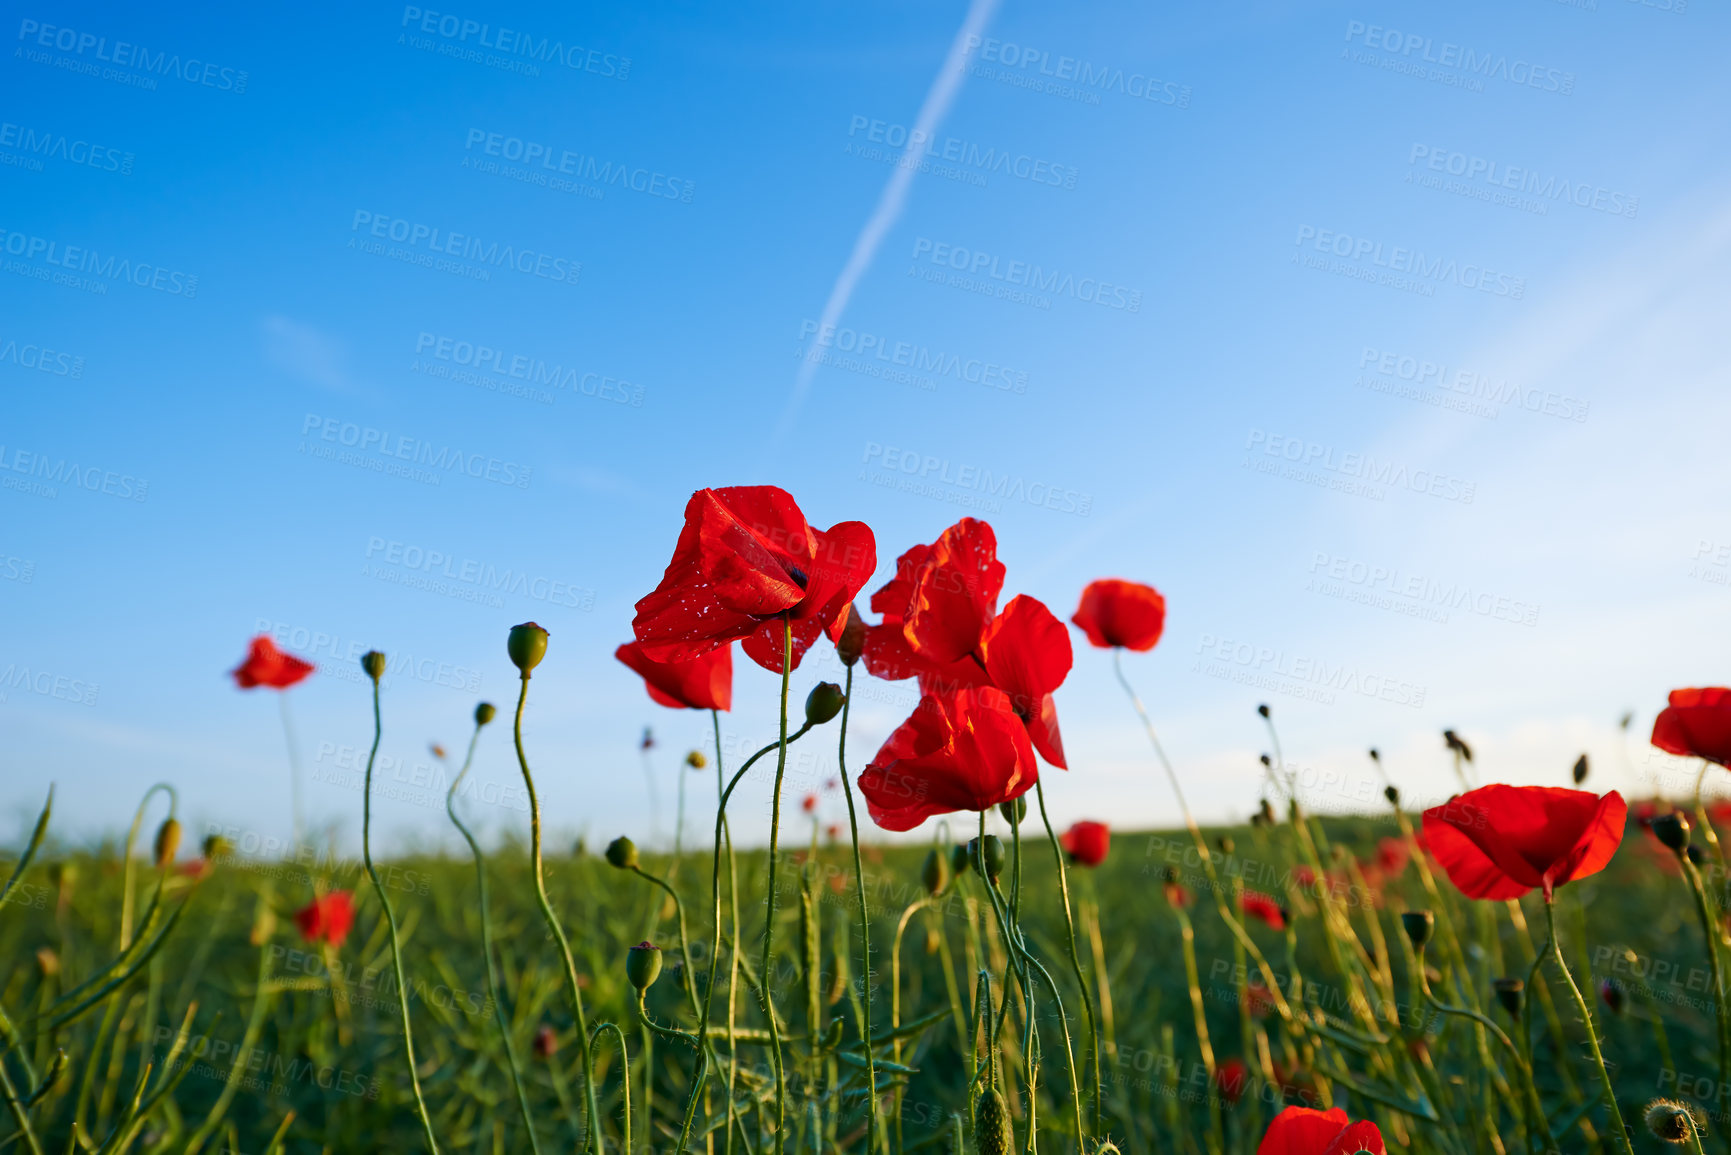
x,y
266,665
940,625
745,557
1697,723
1087,842
1305,1131
963,750
1114,612
1261,906
701,683
327,918
1230,1079
1499,841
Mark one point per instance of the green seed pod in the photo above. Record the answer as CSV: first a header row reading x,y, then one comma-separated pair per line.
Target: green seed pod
x,y
167,842
1672,829
959,858
1014,810
1695,854
622,852
823,703
1392,794
1671,1121
643,965
527,645
993,1134
216,846
994,856
485,713
851,644
373,663
1580,770
936,872
696,760
1418,925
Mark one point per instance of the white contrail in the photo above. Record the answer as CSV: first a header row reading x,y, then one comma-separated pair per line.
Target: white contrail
x,y
895,195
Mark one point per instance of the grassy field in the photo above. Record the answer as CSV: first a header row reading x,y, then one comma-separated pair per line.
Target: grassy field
x,y
233,1033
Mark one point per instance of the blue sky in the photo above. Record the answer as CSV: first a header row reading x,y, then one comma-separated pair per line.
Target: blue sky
x,y
1387,339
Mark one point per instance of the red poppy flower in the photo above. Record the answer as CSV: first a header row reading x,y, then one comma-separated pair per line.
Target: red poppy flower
x,y
1500,841
1697,723
1258,999
1120,613
809,803
701,683
327,918
1305,1131
1178,894
940,625
745,558
1261,906
266,665
1230,1079
1392,855
1087,842
964,750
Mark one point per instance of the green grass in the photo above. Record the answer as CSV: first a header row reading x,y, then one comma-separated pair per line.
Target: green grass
x,y
325,1044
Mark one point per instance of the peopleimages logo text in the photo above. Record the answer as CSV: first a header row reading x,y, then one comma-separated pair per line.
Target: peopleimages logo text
x,y
465,246
514,42
985,158
92,263
125,55
1058,282
1413,262
1447,54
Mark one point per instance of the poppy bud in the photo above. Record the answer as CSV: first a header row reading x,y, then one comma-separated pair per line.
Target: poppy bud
x,y
167,842
47,962
484,713
1418,925
1672,829
1263,709
263,926
696,760
1267,812
1014,810
1265,760
823,703
936,872
992,1132
1612,992
643,965
1225,844
1671,1121
622,852
1580,770
993,856
546,1042
851,644
1392,794
1695,854
216,846
959,860
1454,743
1511,993
373,663
527,645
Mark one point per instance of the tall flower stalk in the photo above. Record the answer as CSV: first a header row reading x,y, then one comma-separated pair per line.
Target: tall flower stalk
x,y
484,714
765,973
527,645
373,663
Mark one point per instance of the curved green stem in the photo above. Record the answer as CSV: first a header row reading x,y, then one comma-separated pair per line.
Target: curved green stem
x,y
766,973
1610,1092
130,869
725,834
624,1077
391,921
493,986
591,1109
865,928
1075,957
